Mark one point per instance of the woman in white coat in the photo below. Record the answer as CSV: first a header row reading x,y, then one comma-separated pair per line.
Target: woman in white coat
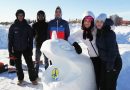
x,y
88,36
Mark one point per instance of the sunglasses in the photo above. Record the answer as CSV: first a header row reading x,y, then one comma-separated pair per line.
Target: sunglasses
x,y
20,15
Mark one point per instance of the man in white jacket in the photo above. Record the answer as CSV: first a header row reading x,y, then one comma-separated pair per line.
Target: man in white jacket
x,y
88,36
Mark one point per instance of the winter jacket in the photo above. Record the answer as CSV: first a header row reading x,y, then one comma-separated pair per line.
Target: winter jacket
x,y
20,36
107,46
40,29
91,45
61,27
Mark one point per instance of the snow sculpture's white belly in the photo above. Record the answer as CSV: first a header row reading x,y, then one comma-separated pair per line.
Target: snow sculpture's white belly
x,y
75,71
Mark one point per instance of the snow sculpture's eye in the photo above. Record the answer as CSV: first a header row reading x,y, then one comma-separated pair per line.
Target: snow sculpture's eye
x,y
65,46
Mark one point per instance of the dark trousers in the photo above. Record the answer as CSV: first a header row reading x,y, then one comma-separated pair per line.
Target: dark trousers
x,y
109,79
46,62
28,59
12,62
38,55
97,64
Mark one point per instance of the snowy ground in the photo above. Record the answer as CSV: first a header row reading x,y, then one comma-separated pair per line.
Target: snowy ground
x,y
8,81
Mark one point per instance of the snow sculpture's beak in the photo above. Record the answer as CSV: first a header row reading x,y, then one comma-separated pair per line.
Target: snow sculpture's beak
x,y
54,35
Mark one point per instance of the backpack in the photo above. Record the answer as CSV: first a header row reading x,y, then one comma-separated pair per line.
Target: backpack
x,y
3,68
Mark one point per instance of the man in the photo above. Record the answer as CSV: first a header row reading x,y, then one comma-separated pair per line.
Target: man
x,y
59,25
40,34
21,43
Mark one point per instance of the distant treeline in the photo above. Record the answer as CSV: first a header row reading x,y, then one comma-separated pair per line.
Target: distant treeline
x,y
9,23
116,19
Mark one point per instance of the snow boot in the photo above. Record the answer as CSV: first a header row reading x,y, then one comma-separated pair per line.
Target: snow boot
x,y
20,82
35,82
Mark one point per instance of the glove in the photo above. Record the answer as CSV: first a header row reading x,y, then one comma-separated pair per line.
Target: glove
x,y
12,56
114,70
109,67
77,48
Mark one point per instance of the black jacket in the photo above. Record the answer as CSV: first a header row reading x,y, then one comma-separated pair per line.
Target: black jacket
x,y
40,29
107,46
20,36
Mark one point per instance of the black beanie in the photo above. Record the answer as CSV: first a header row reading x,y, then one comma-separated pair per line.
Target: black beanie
x,y
20,11
41,13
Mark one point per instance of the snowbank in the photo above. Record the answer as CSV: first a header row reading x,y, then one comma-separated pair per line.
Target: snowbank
x,y
124,77
123,34
3,37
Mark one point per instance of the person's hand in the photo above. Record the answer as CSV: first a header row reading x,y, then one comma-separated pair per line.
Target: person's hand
x,y
11,56
114,70
110,68
77,47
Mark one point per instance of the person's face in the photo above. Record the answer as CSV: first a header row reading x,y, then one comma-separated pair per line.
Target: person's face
x,y
20,17
58,13
40,17
99,24
87,23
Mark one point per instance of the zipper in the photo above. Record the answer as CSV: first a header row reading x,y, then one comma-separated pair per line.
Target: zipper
x,y
57,26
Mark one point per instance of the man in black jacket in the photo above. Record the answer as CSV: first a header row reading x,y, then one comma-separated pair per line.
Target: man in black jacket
x,y
40,34
21,43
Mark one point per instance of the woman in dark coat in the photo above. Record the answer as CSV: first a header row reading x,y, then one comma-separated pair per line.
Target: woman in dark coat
x,y
111,62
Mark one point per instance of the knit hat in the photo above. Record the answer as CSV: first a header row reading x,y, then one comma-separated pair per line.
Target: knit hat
x,y
89,18
102,17
41,13
20,11
89,13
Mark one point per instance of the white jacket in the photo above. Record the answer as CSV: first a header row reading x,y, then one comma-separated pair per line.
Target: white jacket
x,y
78,37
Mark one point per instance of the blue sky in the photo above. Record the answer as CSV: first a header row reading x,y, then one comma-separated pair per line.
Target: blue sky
x,y
71,8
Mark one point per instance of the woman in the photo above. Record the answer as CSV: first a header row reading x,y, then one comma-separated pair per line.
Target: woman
x,y
111,62
88,36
